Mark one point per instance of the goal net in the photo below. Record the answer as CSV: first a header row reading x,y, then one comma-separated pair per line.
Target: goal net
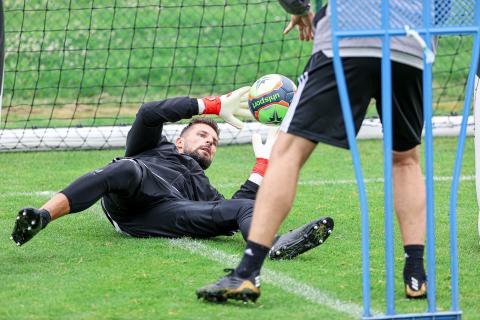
x,y
75,72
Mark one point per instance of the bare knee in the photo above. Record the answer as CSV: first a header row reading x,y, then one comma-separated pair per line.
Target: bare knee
x,y
407,158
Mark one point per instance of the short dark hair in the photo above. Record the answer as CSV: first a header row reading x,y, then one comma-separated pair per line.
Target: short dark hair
x,y
205,120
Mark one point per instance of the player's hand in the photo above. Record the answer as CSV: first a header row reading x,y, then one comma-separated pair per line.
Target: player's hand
x,y
262,153
261,150
303,24
235,104
229,106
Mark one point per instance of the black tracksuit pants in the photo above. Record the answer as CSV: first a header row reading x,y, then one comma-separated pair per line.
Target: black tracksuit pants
x,y
135,212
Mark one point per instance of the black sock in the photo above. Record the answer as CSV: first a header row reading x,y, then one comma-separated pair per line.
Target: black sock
x,y
414,262
252,260
45,217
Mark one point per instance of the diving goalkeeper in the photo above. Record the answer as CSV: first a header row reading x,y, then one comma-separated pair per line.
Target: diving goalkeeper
x,y
159,189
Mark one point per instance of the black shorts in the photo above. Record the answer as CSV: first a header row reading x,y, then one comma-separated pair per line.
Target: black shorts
x,y
316,114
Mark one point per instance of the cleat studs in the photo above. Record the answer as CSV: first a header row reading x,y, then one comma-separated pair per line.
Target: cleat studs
x,y
18,243
18,217
24,213
320,241
11,237
277,252
324,221
329,231
33,222
305,236
315,227
29,228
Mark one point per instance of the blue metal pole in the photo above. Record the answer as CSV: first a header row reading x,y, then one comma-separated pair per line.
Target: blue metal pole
x,y
387,158
427,107
457,171
347,116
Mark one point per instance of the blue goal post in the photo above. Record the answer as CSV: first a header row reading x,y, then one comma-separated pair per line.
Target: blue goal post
x,y
476,108
422,20
2,53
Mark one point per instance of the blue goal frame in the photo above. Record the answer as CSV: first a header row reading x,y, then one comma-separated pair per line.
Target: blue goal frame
x,y
454,22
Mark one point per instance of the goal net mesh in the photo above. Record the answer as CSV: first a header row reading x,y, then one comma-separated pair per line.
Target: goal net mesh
x,y
76,72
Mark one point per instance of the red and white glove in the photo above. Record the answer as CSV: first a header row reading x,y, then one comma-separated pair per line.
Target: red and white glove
x,y
262,154
227,106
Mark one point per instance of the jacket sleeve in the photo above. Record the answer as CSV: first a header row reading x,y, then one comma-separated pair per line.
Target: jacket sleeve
x,y
247,191
147,128
216,195
296,7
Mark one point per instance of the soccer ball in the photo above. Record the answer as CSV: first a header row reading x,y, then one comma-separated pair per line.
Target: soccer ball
x,y
269,98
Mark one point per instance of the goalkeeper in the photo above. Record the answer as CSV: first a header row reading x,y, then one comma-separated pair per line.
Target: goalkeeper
x,y
159,189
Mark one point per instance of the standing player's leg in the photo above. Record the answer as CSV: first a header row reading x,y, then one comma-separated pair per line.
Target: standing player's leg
x,y
121,177
408,181
409,202
288,156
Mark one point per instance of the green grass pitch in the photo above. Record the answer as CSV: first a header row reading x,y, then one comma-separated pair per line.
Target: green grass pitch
x,y
79,268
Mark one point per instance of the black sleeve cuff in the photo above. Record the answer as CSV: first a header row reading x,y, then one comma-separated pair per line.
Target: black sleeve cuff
x,y
296,7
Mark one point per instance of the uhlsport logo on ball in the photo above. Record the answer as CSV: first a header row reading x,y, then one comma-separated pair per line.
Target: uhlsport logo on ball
x,y
270,97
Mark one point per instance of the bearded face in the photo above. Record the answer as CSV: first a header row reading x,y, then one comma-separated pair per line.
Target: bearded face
x,y
203,161
200,142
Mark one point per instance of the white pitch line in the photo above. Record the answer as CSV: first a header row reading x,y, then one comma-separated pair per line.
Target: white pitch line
x,y
229,185
276,278
28,194
351,181
375,180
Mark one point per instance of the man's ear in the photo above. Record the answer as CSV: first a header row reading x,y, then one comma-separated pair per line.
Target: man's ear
x,y
180,144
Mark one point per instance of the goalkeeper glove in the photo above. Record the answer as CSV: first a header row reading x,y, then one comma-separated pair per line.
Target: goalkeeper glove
x,y
262,154
227,106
